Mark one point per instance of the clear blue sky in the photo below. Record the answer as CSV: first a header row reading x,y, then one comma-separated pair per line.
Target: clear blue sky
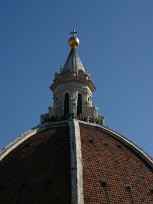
x,y
116,44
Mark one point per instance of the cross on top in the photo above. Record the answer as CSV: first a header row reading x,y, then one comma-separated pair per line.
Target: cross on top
x,y
73,32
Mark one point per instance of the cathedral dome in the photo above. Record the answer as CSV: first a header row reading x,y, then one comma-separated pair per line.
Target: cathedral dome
x,y
71,157
74,162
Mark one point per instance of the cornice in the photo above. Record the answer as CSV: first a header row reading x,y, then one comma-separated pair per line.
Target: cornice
x,y
72,79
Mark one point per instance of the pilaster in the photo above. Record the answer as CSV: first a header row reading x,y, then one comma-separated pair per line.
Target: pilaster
x,y
76,163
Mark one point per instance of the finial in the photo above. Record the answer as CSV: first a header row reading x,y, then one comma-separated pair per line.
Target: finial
x,y
73,41
73,32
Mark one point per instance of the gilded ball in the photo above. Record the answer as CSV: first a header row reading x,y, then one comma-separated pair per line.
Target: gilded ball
x,y
73,42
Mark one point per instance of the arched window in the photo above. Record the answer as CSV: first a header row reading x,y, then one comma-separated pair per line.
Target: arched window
x,y
81,73
79,104
66,104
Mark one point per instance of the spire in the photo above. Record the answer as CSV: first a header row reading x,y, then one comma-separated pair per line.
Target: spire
x,y
73,62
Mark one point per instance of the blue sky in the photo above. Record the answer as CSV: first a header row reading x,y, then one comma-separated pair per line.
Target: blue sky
x,y
116,44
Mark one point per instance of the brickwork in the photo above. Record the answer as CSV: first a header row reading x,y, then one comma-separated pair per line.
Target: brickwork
x,y
113,173
38,170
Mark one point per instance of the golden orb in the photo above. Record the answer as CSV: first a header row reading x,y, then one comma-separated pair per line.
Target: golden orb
x,y
73,42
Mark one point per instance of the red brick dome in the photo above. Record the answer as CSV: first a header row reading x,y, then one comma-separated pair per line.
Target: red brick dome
x,y
75,162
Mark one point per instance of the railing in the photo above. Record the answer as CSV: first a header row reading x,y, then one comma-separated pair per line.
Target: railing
x,y
80,117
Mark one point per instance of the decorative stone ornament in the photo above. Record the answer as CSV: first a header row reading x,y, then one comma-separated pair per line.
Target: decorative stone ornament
x,y
73,41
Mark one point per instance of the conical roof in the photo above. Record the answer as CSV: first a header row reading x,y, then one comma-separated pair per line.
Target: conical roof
x,y
73,62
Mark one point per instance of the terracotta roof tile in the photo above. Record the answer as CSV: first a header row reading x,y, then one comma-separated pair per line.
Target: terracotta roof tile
x,y
38,170
112,173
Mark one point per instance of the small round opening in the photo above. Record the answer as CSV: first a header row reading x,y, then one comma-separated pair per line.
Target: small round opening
x,y
151,191
105,143
90,141
128,188
103,183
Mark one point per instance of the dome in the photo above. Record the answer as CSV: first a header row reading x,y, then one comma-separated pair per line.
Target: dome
x,y
71,157
61,162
